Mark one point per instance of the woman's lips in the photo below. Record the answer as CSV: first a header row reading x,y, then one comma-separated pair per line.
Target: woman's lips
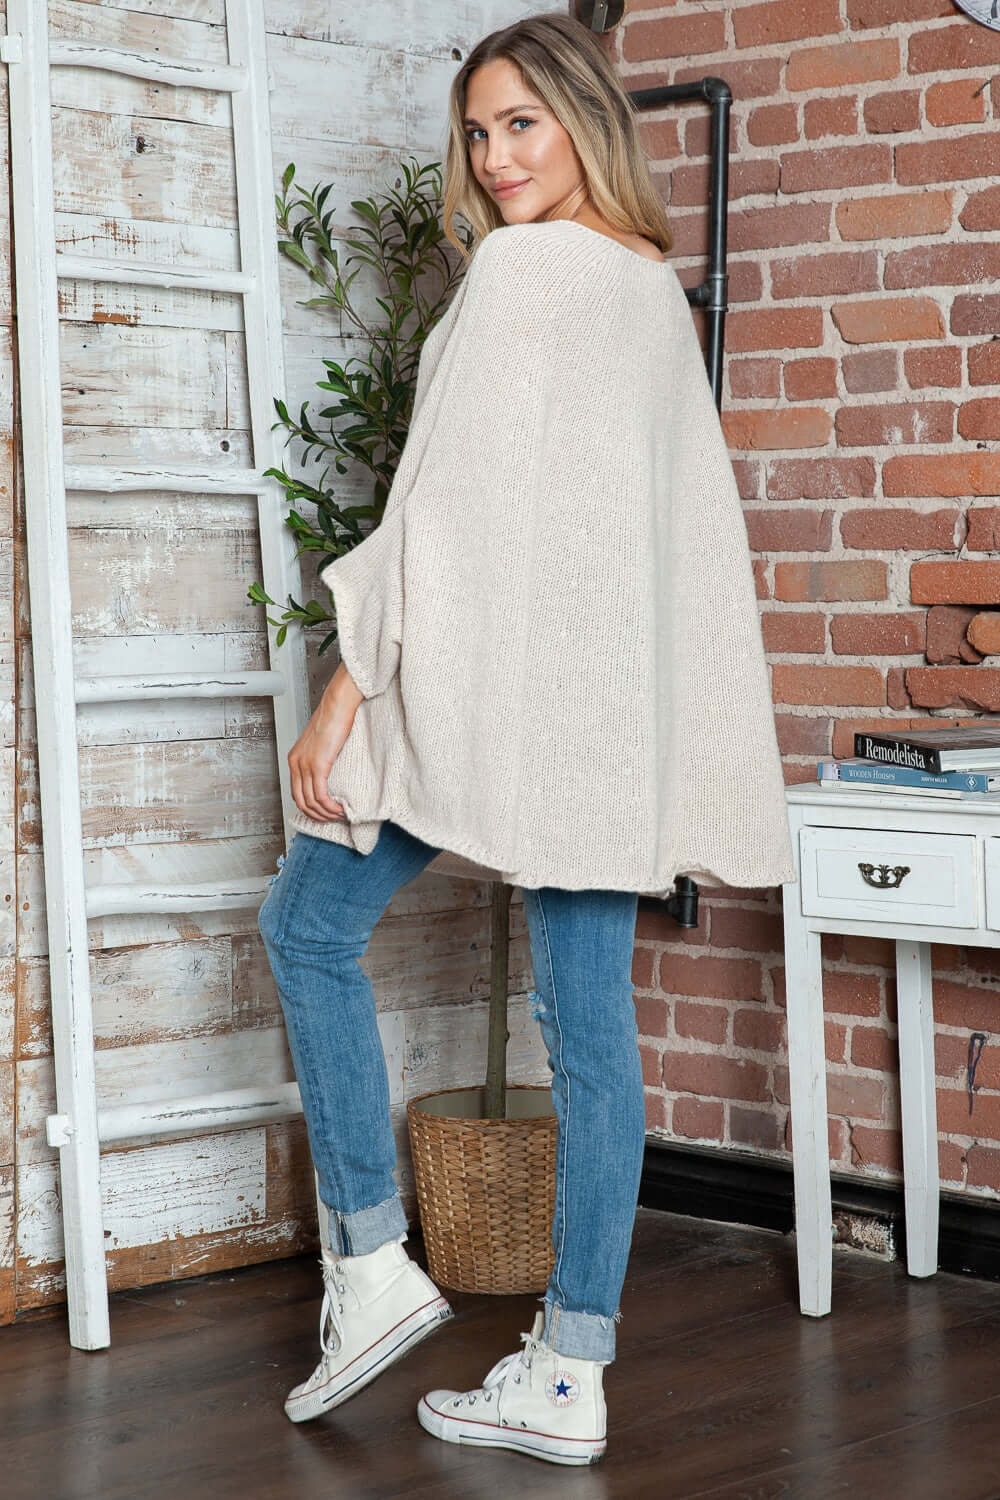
x,y
509,188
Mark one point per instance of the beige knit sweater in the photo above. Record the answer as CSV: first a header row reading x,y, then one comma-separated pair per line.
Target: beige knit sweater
x,y
555,625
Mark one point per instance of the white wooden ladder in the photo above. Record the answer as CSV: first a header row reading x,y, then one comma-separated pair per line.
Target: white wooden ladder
x,y
80,1126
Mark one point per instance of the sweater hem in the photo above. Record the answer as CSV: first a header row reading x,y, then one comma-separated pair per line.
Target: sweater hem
x,y
535,880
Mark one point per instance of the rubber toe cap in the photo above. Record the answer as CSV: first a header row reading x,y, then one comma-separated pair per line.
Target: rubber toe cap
x,y
438,1399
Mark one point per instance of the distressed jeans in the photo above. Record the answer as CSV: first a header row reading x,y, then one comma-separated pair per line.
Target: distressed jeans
x,y
316,922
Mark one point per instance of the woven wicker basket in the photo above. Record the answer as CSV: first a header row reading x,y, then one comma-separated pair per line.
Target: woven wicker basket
x,y
486,1188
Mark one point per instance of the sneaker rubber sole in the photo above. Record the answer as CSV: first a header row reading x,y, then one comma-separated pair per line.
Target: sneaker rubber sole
x,y
370,1362
541,1445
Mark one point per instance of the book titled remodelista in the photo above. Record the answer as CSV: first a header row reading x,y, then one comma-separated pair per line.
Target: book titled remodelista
x,y
934,750
865,773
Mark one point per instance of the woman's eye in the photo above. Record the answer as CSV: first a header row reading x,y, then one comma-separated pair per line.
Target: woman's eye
x,y
477,129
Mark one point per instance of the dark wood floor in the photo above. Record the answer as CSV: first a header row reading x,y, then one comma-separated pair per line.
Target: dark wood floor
x,y
721,1389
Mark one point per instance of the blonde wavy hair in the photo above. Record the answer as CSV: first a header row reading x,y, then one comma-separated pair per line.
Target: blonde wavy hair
x,y
564,64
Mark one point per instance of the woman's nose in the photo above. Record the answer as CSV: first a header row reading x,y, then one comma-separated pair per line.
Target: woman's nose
x,y
496,156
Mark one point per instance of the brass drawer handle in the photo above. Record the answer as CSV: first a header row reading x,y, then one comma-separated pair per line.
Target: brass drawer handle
x,y
887,879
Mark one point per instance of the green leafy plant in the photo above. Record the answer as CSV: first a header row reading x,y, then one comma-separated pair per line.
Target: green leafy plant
x,y
366,420
401,247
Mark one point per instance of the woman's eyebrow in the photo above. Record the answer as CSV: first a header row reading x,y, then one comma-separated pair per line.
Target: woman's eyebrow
x,y
502,114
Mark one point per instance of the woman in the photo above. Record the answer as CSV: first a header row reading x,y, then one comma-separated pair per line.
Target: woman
x,y
551,674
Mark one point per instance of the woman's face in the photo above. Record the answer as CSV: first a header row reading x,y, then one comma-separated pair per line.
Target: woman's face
x,y
527,146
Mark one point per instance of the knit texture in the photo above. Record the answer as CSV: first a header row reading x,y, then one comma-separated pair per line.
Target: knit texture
x,y
555,625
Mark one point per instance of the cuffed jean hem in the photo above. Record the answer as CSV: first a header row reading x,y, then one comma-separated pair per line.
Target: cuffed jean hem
x,y
369,1228
578,1334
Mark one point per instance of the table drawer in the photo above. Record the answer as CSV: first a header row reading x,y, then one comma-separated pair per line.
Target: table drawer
x,y
869,873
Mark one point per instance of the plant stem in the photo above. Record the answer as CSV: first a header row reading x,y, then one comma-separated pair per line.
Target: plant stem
x,y
496,1056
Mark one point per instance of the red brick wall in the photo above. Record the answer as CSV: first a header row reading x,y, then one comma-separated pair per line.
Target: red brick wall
x,y
862,411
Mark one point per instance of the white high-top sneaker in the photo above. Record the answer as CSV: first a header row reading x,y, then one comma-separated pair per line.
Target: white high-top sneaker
x,y
537,1401
375,1308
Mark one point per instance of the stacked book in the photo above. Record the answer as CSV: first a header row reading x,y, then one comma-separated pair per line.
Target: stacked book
x,y
921,762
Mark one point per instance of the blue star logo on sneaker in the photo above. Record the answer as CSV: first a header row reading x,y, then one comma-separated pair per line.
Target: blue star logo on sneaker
x,y
562,1388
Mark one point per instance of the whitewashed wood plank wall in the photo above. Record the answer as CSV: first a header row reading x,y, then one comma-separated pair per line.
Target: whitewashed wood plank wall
x,y
159,584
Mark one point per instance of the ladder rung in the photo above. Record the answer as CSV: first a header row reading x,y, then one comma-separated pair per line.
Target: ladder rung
x,y
139,273
148,65
122,1122
132,687
130,897
251,1106
191,479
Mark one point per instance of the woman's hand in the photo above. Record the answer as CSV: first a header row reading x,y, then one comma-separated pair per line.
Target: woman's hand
x,y
311,758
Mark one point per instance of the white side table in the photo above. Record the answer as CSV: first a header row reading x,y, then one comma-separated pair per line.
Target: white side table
x,y
913,868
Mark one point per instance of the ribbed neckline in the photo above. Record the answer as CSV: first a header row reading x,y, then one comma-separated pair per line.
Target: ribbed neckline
x,y
616,244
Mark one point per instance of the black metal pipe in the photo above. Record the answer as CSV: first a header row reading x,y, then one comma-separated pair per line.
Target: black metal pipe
x,y
712,295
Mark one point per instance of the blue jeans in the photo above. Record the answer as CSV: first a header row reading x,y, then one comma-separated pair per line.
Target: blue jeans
x,y
316,922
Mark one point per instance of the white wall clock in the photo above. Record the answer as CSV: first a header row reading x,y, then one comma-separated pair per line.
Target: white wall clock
x,y
985,11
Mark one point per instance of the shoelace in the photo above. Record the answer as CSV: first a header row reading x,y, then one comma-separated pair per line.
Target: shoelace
x,y
331,1329
501,1370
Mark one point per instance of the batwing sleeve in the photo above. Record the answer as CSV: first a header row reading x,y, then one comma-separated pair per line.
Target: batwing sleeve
x,y
367,582
367,588
487,327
